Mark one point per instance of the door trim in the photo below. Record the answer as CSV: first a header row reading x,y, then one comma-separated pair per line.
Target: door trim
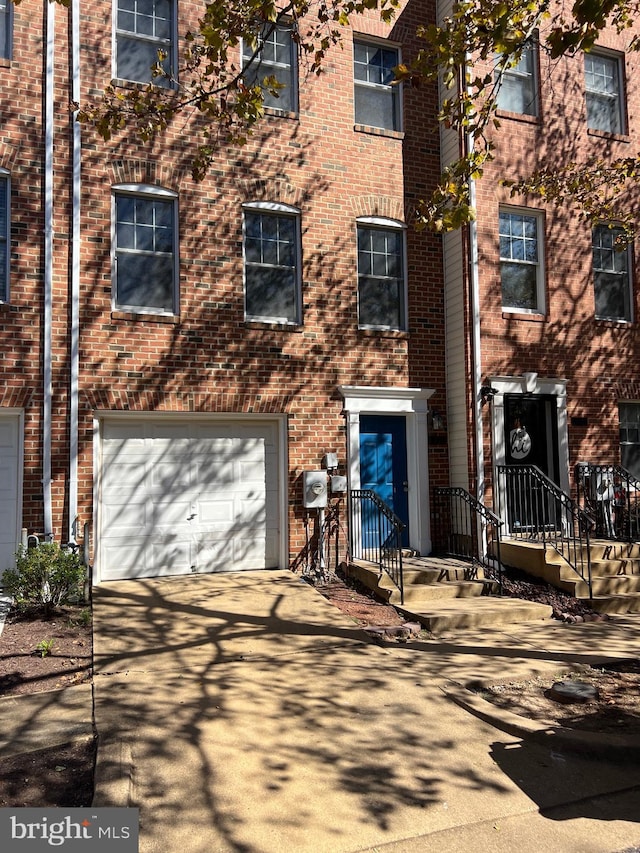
x,y
412,404
17,415
530,384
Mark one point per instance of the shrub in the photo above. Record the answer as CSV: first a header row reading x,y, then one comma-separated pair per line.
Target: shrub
x,y
44,578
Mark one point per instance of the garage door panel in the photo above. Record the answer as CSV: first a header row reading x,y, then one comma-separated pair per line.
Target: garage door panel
x,y
208,502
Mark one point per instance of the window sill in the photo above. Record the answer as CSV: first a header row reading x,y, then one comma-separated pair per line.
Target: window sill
x,y
605,134
378,131
278,113
171,319
613,322
368,332
527,318
119,83
522,117
4,62
273,325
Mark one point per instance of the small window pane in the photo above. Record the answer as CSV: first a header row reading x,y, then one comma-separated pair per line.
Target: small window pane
x,y
519,286
5,29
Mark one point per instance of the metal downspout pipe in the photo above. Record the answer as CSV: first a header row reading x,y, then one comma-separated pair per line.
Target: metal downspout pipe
x,y
74,340
47,331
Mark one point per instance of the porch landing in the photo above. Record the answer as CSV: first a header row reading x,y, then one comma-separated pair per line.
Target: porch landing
x,y
445,594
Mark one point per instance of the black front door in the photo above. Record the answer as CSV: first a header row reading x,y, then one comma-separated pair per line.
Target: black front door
x,y
531,438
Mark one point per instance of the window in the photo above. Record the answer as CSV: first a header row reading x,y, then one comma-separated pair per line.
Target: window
x,y
629,417
272,263
521,261
144,27
145,250
377,101
381,278
603,92
518,90
5,237
6,7
611,275
276,58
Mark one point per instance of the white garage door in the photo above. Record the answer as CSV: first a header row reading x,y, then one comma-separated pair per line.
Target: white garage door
x,y
178,497
9,489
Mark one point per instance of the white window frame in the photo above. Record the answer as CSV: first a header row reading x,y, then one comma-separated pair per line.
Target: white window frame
x,y
291,212
6,11
616,98
170,45
6,237
521,77
626,273
149,192
538,216
261,68
384,224
386,88
629,420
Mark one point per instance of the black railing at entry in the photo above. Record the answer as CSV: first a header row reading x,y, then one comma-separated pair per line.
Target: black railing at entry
x,y
376,535
466,529
610,496
534,508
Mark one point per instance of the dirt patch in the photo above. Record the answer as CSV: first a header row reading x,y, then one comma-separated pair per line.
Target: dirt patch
x,y
62,775
615,710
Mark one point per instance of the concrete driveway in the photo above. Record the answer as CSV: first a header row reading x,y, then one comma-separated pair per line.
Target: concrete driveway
x,y
242,712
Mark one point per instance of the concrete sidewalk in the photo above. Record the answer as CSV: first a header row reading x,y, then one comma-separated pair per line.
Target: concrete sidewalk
x,y
243,712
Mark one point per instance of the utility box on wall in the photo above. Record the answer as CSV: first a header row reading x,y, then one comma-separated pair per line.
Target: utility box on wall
x,y
314,486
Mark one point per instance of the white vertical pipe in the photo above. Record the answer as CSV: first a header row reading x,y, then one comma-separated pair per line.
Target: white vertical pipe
x,y
74,358
48,270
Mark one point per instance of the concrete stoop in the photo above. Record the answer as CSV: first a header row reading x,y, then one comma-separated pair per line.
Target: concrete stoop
x,y
615,572
446,594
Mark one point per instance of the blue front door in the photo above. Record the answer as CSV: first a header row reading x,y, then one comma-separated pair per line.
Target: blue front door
x,y
383,464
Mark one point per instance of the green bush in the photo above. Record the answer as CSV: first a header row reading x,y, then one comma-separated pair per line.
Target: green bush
x,y
44,578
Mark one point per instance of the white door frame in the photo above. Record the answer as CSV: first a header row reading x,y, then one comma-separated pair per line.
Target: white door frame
x,y
412,403
529,383
281,426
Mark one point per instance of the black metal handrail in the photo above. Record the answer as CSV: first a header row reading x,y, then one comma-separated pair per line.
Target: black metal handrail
x,y
534,508
610,495
376,534
466,529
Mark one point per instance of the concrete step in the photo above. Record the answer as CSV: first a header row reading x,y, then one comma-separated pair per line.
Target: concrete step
x,y
616,604
607,585
442,616
442,590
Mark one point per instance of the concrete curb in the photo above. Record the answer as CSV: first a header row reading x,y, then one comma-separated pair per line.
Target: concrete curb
x,y
114,774
544,731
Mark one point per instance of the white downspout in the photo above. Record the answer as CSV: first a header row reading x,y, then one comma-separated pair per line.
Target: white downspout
x,y
48,272
74,357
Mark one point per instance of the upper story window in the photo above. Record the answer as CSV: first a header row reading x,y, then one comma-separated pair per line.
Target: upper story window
x,y
272,276
276,57
5,235
521,261
6,8
145,253
381,274
143,28
519,87
603,90
611,275
377,101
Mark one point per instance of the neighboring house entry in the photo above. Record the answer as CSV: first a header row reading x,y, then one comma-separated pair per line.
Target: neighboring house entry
x,y
10,488
383,464
180,496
